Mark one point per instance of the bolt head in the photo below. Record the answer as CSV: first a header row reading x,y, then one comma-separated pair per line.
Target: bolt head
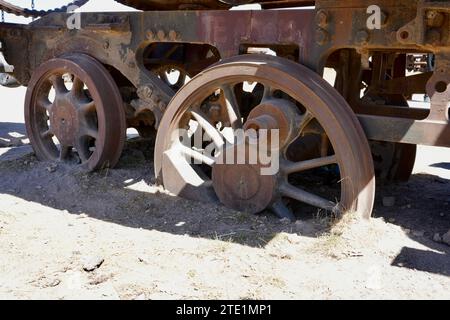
x,y
150,35
431,14
161,35
173,35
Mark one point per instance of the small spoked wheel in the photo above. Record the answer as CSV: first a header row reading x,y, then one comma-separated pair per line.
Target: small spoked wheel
x,y
74,112
208,126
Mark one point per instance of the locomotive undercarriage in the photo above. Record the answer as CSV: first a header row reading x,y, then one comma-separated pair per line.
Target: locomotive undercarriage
x,y
136,55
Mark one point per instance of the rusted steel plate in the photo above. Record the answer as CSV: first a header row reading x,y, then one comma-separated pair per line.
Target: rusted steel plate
x,y
229,31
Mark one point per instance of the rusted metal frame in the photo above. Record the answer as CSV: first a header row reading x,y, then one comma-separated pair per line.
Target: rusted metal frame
x,y
149,5
435,129
426,132
393,111
395,90
109,38
119,40
405,85
16,38
424,29
440,97
224,30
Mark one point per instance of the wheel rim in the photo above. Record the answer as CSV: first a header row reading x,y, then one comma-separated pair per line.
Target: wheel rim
x,y
74,111
320,103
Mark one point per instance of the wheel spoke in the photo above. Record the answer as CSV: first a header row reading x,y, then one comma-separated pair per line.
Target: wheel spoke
x,y
292,167
83,150
45,104
85,108
282,211
164,78
89,131
268,92
212,132
295,193
83,155
64,152
232,107
58,84
181,80
47,134
77,87
306,119
197,156
324,145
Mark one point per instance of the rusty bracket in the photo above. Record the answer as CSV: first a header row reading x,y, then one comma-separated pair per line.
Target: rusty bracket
x,y
430,27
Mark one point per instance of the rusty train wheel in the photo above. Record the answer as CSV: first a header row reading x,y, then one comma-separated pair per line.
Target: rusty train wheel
x,y
297,102
73,110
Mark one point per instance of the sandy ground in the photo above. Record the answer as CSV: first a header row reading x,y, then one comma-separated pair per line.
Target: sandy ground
x,y
56,220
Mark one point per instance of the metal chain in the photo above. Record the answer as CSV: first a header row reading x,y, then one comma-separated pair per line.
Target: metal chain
x,y
32,13
32,7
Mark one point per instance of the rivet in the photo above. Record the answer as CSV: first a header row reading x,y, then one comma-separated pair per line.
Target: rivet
x,y
161,35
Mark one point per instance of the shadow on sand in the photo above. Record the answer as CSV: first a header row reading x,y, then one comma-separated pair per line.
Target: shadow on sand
x,y
128,196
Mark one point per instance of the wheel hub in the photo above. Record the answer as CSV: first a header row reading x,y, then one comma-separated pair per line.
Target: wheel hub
x,y
274,114
64,122
243,182
244,187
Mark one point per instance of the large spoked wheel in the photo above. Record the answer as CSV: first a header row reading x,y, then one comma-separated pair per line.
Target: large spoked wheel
x,y
74,111
317,131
